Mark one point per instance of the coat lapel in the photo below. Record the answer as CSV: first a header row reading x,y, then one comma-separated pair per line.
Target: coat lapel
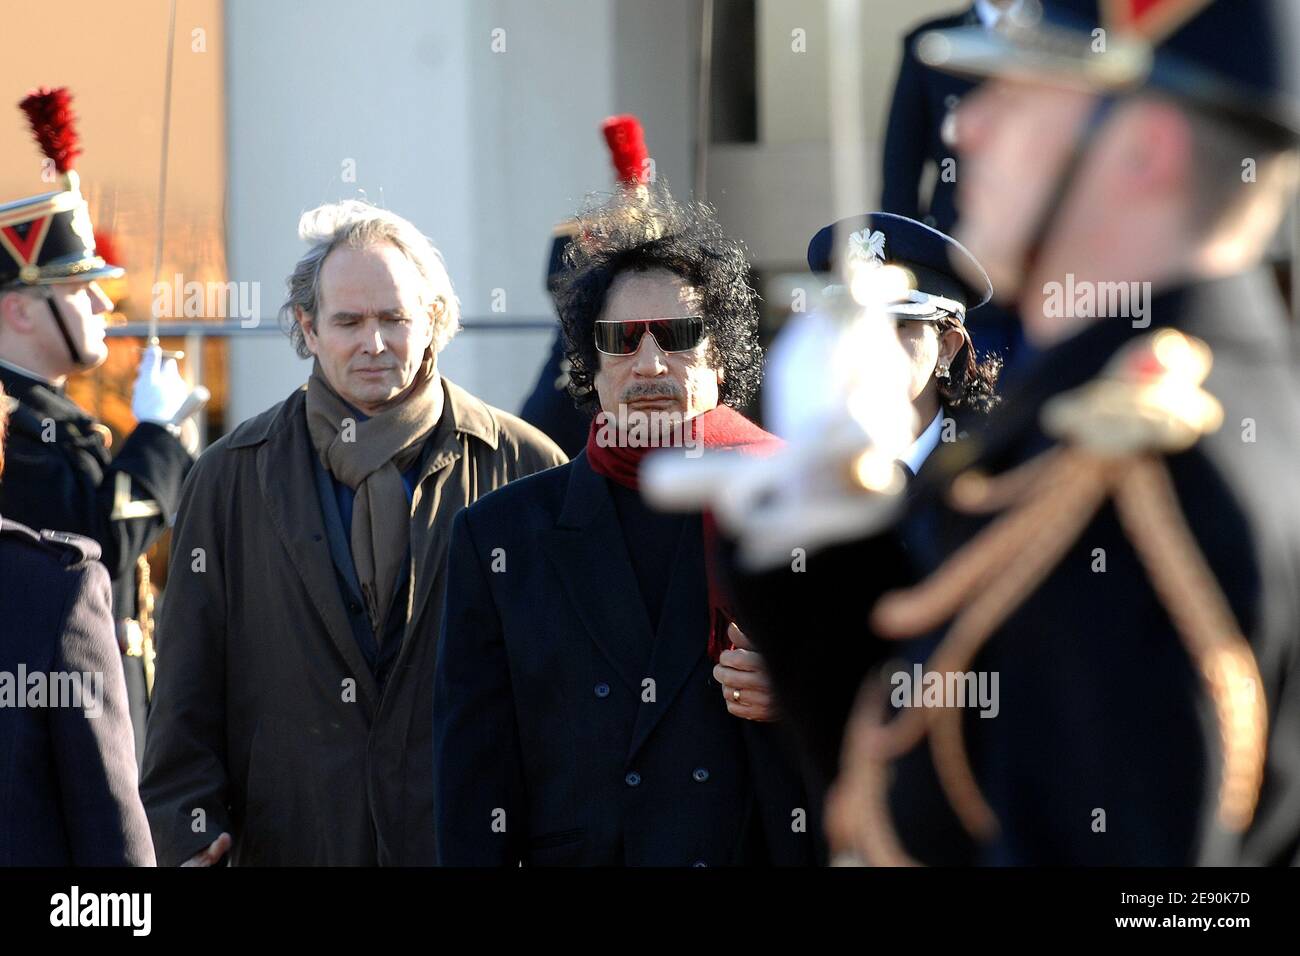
x,y
294,509
683,634
428,561
589,553
439,497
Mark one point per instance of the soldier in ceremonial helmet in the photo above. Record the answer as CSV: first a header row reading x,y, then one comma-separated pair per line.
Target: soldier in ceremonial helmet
x,y
61,474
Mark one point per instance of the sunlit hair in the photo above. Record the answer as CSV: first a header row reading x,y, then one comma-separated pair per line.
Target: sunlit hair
x,y
642,229
972,383
358,224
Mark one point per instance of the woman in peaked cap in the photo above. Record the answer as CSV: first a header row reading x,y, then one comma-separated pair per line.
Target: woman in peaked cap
x,y
949,380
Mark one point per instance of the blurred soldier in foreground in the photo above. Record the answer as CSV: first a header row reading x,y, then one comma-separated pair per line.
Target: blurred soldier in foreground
x,y
296,645
60,473
1099,664
69,796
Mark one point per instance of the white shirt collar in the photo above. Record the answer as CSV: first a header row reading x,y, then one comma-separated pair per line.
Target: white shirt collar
x,y
990,15
925,443
26,371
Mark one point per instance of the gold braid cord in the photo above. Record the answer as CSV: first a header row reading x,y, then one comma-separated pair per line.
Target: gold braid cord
x,y
144,615
1148,507
1114,432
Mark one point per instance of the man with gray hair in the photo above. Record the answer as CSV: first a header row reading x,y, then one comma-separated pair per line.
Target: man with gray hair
x,y
292,716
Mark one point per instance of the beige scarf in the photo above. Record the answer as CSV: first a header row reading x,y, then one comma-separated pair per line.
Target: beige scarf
x,y
369,457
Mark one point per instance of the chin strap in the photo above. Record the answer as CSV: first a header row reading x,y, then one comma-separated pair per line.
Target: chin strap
x,y
1064,183
78,359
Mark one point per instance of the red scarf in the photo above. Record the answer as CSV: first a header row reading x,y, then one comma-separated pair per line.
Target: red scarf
x,y
720,427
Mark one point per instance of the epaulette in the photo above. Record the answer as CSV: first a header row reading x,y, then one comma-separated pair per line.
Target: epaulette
x,y
1114,434
1147,400
71,550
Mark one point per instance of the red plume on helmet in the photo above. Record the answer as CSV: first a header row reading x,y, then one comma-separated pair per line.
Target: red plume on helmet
x,y
627,149
106,245
49,111
49,237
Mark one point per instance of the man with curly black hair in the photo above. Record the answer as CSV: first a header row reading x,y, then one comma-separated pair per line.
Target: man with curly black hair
x,y
594,703
640,232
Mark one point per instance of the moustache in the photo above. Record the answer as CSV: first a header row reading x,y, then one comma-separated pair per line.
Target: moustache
x,y
651,391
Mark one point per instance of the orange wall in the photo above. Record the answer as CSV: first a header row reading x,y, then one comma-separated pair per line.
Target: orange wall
x,y
112,56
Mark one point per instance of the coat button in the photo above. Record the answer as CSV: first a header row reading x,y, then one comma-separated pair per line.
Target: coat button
x,y
602,689
354,608
699,863
699,774
633,779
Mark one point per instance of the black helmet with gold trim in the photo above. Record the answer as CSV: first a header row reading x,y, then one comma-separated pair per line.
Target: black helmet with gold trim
x,y
1238,58
49,238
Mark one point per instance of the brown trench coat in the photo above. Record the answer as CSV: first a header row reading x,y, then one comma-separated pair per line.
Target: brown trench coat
x,y
266,721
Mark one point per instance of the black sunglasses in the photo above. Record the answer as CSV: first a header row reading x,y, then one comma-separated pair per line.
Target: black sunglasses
x,y
673,335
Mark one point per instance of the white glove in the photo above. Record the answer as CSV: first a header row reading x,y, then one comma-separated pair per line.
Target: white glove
x,y
159,389
835,388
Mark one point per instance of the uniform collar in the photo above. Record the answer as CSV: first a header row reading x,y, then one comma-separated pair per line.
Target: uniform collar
x,y
925,443
28,373
36,393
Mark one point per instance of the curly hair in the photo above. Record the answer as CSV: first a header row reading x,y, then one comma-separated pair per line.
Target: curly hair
x,y
642,229
971,383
